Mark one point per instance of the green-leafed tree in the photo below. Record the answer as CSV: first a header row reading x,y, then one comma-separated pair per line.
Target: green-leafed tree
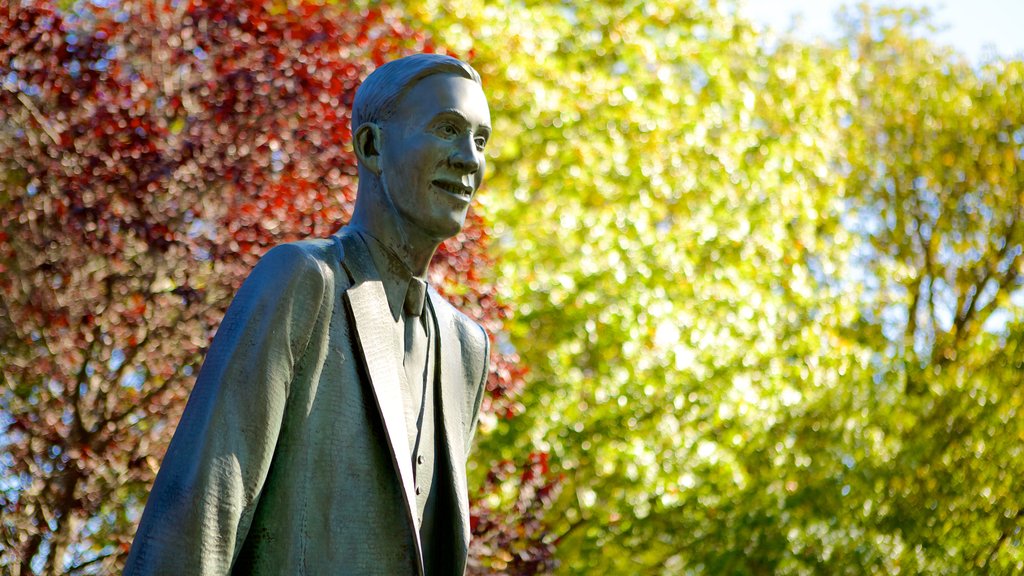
x,y
765,288
769,292
936,192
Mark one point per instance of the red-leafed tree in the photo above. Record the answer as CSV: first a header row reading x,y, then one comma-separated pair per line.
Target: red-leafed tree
x,y
150,152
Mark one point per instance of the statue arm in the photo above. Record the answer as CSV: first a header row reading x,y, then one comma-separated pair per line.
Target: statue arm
x,y
210,481
481,389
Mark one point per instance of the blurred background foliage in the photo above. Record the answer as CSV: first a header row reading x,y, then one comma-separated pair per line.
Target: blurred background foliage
x,y
760,299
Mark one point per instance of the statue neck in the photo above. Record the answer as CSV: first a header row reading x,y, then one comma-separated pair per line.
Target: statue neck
x,y
377,216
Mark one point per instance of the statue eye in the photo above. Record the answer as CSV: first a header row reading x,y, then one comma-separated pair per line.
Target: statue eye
x,y
481,143
447,129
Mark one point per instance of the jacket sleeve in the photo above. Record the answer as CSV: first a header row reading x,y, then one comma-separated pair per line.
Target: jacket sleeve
x,y
481,389
210,481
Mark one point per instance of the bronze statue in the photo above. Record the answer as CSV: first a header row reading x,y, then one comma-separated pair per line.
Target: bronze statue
x,y
328,429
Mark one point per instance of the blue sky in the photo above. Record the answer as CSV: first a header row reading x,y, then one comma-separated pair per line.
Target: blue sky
x,y
974,27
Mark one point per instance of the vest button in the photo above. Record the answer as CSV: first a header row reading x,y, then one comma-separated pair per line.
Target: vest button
x,y
418,491
419,459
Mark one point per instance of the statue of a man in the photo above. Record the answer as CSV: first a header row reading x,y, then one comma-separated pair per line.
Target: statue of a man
x,y
328,429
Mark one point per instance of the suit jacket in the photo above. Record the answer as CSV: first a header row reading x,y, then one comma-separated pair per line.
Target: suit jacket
x,y
292,455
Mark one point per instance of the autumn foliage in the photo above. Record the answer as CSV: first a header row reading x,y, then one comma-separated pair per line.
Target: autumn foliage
x,y
150,152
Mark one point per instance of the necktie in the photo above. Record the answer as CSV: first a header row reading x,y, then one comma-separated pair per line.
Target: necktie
x,y
414,297
415,359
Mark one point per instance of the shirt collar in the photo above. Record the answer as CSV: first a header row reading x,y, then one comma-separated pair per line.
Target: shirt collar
x,y
393,273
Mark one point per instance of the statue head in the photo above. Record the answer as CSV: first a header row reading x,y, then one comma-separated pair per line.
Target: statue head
x,y
420,125
380,93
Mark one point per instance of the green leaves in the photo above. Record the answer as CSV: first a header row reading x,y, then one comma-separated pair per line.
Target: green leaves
x,y
743,357
767,294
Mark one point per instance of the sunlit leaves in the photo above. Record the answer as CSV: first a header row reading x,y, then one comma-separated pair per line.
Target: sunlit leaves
x,y
707,232
769,292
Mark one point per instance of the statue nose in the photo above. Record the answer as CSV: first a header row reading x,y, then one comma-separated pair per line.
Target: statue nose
x,y
465,157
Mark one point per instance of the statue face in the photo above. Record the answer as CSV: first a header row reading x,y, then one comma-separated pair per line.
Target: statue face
x,y
432,157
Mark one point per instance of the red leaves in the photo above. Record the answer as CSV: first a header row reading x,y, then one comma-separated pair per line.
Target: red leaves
x,y
154,154
537,466
512,537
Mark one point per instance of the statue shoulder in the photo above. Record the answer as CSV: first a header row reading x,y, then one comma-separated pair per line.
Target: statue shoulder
x,y
473,336
312,261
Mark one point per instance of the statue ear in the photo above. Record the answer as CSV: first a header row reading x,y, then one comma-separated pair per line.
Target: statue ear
x,y
367,144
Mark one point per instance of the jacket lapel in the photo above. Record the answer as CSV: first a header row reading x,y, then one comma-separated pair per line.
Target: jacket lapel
x,y
451,402
375,335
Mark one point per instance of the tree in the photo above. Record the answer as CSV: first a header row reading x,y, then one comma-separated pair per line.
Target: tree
x,y
768,290
151,152
940,220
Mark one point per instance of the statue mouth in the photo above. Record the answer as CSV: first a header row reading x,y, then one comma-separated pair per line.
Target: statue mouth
x,y
455,188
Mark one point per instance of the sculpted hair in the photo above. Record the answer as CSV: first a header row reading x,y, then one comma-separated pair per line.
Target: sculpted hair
x,y
378,96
